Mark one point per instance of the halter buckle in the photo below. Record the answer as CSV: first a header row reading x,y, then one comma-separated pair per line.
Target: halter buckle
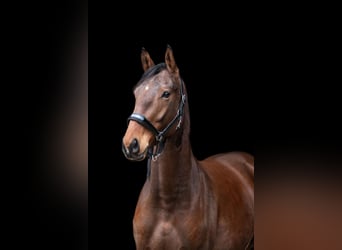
x,y
159,137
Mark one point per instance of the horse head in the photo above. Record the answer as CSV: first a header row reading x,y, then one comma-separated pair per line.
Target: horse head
x,y
159,103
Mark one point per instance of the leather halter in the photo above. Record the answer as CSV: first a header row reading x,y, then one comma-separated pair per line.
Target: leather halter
x,y
160,135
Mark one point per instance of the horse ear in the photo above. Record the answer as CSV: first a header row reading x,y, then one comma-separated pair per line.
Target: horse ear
x,y
146,60
170,61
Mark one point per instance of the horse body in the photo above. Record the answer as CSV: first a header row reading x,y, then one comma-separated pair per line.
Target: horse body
x,y
185,203
200,213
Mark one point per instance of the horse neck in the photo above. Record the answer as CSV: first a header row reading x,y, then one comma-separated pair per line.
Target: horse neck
x,y
172,174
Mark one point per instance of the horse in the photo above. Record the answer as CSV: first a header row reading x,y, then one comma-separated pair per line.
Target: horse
x,y
185,203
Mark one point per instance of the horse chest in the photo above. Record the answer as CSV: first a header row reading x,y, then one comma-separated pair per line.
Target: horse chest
x,y
165,235
176,231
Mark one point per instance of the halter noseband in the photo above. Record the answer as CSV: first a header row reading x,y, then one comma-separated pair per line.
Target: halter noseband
x,y
159,135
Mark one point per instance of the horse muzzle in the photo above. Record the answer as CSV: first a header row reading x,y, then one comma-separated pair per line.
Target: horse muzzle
x,y
132,151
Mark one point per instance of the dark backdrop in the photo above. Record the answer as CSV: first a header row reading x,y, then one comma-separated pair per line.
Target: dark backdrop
x,y
254,84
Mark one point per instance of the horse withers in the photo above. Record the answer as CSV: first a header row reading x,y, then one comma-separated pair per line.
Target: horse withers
x,y
185,203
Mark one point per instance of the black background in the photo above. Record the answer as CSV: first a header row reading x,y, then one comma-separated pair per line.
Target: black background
x,y
259,81
264,84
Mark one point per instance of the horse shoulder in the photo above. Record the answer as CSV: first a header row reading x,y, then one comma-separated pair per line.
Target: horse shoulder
x,y
231,180
230,173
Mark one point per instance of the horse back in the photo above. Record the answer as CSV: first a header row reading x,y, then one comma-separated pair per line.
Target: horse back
x,y
226,168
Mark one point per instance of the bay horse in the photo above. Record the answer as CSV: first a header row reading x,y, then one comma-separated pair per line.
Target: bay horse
x,y
185,203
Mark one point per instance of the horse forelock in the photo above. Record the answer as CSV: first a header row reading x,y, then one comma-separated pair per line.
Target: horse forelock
x,y
156,69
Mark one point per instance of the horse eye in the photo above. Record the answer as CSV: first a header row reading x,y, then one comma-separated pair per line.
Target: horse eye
x,y
166,94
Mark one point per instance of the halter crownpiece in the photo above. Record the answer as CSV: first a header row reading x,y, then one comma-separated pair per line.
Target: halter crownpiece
x,y
159,135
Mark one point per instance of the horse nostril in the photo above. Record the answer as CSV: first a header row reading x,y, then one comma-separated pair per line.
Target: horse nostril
x,y
124,149
134,146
